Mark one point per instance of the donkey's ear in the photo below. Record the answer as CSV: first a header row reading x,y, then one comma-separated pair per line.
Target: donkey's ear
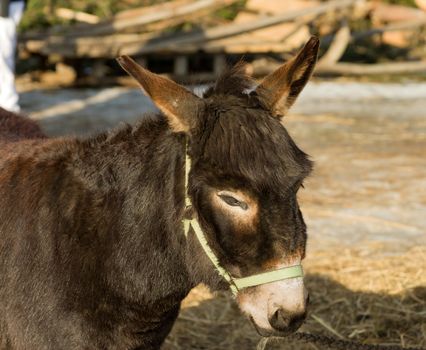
x,y
179,105
281,88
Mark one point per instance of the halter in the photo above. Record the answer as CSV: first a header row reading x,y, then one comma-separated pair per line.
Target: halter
x,y
236,284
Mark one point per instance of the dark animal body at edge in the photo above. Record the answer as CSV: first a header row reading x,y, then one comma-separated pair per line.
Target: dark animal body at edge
x,y
75,272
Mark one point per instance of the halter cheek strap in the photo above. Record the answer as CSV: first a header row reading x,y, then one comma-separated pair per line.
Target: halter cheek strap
x,y
235,284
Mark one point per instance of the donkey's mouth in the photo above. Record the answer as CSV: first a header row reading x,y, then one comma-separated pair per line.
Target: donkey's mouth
x,y
263,332
270,332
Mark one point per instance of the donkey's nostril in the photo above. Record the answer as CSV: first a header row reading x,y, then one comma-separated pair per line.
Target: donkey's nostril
x,y
285,321
279,320
296,321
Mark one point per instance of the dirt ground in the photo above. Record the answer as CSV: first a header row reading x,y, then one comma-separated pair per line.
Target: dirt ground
x,y
365,207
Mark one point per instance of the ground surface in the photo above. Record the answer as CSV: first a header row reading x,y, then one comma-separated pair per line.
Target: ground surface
x,y
365,206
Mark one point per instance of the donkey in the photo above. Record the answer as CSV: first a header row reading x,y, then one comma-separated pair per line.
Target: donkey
x,y
93,253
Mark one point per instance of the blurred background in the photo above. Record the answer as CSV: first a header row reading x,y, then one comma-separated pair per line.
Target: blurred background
x,y
362,119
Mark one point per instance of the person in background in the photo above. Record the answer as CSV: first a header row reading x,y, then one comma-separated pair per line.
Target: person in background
x,y
10,14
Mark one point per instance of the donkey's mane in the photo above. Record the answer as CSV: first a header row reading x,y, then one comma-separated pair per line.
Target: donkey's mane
x,y
148,128
233,81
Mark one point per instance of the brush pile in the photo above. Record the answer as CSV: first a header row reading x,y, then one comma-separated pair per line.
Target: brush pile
x,y
358,36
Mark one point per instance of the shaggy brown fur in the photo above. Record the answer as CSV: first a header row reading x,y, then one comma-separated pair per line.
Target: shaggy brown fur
x,y
92,250
14,127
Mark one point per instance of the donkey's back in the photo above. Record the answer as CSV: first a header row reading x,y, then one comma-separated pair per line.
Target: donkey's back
x,y
14,127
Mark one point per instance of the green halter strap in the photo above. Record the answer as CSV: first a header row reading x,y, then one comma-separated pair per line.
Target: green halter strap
x,y
236,284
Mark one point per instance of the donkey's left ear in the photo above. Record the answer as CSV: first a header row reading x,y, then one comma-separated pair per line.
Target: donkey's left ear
x,y
179,105
281,88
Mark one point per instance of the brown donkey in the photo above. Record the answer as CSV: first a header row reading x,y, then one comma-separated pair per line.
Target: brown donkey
x,y
93,252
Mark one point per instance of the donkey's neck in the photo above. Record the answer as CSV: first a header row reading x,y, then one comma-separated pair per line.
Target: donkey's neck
x,y
107,226
138,172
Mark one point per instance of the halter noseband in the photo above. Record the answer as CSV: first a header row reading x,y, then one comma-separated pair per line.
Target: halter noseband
x,y
236,284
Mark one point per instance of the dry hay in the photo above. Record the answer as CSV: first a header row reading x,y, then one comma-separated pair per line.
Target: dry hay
x,y
363,295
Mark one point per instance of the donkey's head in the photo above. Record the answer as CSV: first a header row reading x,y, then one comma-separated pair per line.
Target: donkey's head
x,y
246,171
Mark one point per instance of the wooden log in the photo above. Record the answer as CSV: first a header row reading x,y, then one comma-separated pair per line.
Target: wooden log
x,y
394,13
292,34
338,46
141,11
95,47
76,15
421,4
273,7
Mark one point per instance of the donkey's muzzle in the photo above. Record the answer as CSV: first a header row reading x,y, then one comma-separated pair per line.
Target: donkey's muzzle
x,y
275,308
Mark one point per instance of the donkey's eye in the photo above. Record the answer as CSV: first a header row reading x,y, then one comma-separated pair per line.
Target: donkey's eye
x,y
233,202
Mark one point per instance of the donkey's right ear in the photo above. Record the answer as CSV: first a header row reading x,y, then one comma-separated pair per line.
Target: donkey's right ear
x,y
180,106
281,88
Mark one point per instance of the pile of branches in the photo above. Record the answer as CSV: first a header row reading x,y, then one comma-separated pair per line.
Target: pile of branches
x,y
359,37
123,33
